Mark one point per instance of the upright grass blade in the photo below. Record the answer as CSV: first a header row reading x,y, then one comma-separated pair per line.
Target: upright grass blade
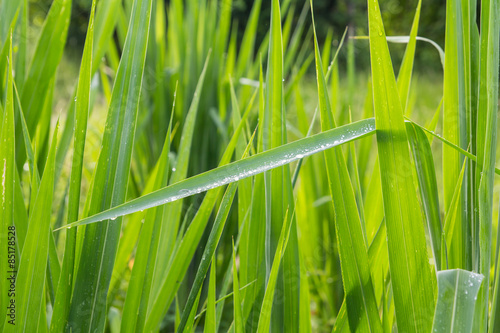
x,y
487,144
360,298
238,170
210,248
139,290
187,246
457,294
267,303
453,111
48,53
30,280
65,283
427,184
105,21
210,316
238,318
168,235
8,232
111,179
411,277
405,72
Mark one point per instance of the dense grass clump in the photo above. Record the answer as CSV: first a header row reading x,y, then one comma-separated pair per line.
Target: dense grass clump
x,y
246,187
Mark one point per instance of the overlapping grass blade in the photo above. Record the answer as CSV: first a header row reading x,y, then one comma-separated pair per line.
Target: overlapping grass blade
x,y
46,57
168,235
360,298
457,294
139,291
411,277
427,184
486,146
453,116
267,303
110,183
209,251
65,282
30,279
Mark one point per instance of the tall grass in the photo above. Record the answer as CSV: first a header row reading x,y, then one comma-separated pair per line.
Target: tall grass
x,y
222,198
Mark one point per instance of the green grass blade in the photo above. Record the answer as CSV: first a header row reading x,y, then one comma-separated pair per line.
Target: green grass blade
x,y
210,316
457,294
267,303
7,171
360,298
238,317
188,245
427,184
411,276
105,22
139,290
169,235
65,283
486,145
238,170
100,243
46,57
406,69
453,112
210,248
451,216
33,262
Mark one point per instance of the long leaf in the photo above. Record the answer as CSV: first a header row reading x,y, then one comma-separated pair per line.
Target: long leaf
x,y
411,277
65,283
238,170
110,183
8,232
360,298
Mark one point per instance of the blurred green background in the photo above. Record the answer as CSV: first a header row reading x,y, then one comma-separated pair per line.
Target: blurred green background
x,y
330,14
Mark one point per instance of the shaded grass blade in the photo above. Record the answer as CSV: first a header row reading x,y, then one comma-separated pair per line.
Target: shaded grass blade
x,y
360,298
411,277
65,283
100,243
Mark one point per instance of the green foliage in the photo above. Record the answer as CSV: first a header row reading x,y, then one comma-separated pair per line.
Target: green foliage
x,y
202,202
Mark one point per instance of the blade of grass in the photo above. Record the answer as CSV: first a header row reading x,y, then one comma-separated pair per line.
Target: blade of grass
x,y
7,172
411,277
210,317
360,299
139,290
238,170
110,184
487,145
238,318
46,57
427,184
457,294
30,279
65,283
209,251
169,235
267,303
